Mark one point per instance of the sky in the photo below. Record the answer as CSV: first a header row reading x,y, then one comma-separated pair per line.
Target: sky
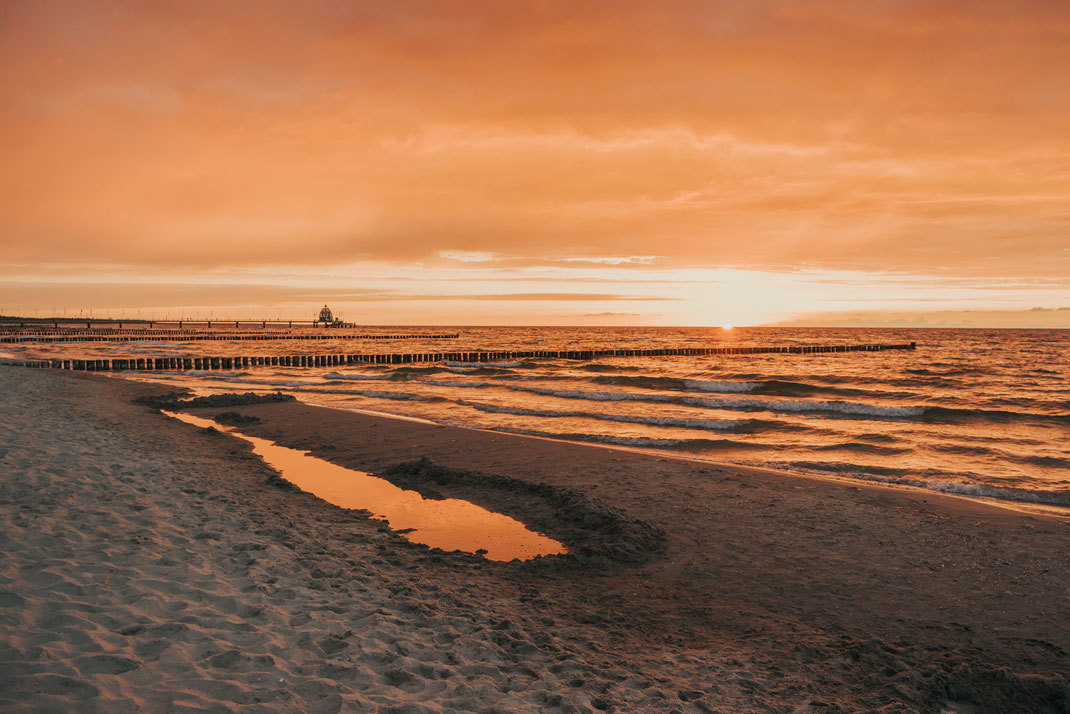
x,y
627,162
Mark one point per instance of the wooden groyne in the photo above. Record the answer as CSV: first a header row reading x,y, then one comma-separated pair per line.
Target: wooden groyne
x,y
338,360
194,336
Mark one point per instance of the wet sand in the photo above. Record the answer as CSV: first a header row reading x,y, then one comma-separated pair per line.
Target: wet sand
x,y
151,565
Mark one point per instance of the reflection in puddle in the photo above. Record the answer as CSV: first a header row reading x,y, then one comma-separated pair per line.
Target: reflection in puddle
x,y
450,524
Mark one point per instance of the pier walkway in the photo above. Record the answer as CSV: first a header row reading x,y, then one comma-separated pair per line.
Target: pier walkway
x,y
201,335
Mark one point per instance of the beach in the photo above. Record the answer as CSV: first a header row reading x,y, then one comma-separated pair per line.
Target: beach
x,y
153,566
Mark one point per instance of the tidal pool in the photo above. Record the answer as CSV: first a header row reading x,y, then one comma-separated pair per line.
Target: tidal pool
x,y
449,524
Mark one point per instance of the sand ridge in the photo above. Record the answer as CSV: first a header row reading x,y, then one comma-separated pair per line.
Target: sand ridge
x,y
150,566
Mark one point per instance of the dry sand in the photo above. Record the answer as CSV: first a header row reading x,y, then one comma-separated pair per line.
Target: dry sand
x,y
146,565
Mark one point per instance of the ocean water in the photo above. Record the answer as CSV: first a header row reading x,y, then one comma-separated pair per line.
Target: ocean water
x,y
975,412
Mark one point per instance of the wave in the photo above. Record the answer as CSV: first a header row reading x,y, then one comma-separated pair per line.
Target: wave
x,y
374,394
450,363
956,372
596,396
357,377
639,441
701,424
489,371
1048,462
772,387
748,404
855,409
879,438
938,481
1043,461
400,396
702,385
597,367
456,383
957,415
267,383
407,372
856,447
789,388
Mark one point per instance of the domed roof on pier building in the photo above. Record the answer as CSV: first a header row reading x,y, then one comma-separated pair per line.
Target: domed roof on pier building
x,y
325,315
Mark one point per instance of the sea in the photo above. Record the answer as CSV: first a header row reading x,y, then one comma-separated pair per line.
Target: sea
x,y
975,412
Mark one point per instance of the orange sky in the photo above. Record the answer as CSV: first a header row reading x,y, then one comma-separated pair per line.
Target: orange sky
x,y
572,162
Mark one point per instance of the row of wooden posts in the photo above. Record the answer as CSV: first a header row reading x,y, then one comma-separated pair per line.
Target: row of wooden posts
x,y
228,363
215,336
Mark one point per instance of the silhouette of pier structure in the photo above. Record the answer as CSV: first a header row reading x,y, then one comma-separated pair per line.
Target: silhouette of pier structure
x,y
187,335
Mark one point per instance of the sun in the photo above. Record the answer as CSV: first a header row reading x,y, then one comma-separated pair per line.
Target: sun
x,y
726,327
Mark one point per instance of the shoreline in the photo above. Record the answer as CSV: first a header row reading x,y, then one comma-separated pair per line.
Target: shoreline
x,y
774,590
1021,505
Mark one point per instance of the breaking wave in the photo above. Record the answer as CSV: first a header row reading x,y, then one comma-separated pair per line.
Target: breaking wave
x,y
747,404
698,445
510,365
701,424
938,481
357,377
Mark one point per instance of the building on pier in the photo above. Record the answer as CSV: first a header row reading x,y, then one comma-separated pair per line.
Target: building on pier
x,y
328,319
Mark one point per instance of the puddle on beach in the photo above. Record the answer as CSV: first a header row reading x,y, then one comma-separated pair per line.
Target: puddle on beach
x,y
449,524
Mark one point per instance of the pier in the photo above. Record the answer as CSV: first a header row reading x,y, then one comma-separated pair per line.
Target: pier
x,y
118,323
339,360
146,335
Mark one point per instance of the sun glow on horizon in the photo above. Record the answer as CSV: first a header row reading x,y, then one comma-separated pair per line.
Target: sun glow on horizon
x,y
478,163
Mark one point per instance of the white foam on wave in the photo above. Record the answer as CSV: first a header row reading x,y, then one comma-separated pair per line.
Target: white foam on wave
x,y
397,396
267,382
706,385
356,376
596,396
374,394
755,403
601,438
956,488
454,383
477,365
709,424
806,405
701,424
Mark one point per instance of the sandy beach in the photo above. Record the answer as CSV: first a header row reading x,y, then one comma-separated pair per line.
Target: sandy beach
x,y
148,565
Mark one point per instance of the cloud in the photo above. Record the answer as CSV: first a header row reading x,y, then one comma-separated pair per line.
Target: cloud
x,y
597,297
81,294
910,137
